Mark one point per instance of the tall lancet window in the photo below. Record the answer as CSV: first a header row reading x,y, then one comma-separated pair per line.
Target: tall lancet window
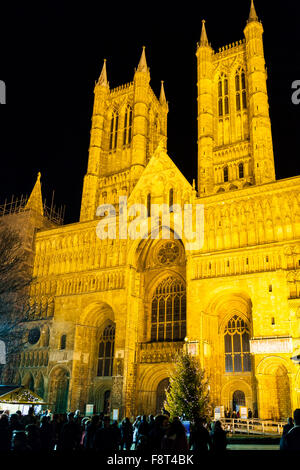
x,y
149,205
225,173
114,124
127,126
237,345
106,352
168,311
240,90
171,199
241,170
223,96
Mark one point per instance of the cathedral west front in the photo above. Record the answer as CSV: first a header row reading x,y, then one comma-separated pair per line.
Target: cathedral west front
x,y
111,314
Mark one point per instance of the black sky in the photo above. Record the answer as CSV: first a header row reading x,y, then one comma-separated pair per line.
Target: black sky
x,y
52,53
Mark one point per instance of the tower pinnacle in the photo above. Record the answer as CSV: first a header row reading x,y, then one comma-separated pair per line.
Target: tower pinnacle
x,y
162,97
142,67
35,201
252,16
203,38
103,76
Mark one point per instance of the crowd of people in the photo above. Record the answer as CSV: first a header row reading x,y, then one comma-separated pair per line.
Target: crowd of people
x,y
70,432
159,434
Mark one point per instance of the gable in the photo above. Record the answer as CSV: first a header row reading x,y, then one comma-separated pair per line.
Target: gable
x,y
160,175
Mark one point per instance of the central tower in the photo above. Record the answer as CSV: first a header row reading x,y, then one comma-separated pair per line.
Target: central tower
x,y
235,146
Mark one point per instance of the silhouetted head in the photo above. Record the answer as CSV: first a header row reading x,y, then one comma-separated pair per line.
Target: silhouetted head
x,y
106,421
297,417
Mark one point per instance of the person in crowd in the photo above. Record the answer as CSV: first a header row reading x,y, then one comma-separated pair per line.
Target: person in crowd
x,y
46,433
161,424
249,413
69,435
91,428
29,418
5,436
77,417
126,434
19,441
83,429
15,424
218,438
291,439
175,439
151,422
143,428
33,437
199,437
104,438
287,427
135,430
116,434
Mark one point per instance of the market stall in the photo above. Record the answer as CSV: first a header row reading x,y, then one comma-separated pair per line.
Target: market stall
x,y
17,397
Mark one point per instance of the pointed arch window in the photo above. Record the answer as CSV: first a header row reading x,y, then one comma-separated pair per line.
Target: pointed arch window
x,y
63,341
127,126
237,345
106,352
168,311
240,90
241,170
223,96
114,124
225,173
171,199
149,205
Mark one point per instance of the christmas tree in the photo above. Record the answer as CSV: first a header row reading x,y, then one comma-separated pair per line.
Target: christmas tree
x,y
188,394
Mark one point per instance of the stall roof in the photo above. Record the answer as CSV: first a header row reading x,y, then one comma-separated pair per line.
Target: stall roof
x,y
17,394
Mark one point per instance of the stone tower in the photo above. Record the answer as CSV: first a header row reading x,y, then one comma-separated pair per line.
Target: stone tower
x,y
128,123
235,147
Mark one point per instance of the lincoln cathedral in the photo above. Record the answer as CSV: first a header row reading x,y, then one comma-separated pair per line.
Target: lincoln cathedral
x,y
110,315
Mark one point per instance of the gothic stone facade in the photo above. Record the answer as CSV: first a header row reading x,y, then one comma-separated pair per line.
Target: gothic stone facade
x,y
114,313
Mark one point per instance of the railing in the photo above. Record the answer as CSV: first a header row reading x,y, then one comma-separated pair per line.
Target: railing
x,y
252,426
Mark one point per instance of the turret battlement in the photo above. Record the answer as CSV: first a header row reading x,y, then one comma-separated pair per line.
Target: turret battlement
x,y
229,49
124,87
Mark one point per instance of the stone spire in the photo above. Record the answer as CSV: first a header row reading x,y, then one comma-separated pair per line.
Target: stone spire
x,y
142,67
252,16
162,97
103,76
203,38
35,201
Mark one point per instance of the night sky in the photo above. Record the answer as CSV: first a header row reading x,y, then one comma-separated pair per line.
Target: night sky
x,y
52,53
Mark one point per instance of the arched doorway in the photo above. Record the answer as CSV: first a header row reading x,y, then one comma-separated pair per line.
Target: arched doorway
x,y
40,389
102,401
59,389
28,381
238,399
161,394
98,329
274,389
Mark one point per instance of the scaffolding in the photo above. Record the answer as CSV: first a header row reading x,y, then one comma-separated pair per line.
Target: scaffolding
x,y
15,206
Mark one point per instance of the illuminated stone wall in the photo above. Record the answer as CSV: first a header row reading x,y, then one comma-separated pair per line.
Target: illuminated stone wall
x,y
248,266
